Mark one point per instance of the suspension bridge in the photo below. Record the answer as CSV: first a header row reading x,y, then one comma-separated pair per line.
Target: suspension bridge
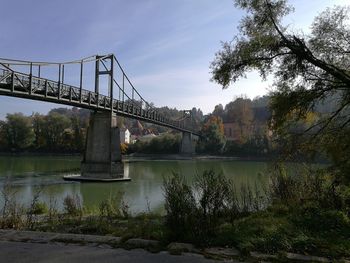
x,y
27,80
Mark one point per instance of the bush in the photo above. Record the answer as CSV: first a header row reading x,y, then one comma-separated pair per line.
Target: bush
x,y
180,206
213,198
72,205
195,213
114,207
123,148
300,184
164,144
40,208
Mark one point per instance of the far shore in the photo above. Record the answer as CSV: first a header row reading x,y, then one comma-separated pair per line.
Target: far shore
x,y
137,157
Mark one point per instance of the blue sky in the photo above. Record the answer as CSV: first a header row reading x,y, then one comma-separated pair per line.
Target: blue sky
x,y
165,46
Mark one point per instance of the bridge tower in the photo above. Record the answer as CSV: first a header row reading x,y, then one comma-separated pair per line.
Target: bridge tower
x,y
187,146
102,157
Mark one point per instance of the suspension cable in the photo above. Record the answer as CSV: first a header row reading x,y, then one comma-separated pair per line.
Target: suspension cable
x,y
17,62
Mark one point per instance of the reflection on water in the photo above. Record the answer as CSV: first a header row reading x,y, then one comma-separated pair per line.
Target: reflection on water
x,y
29,173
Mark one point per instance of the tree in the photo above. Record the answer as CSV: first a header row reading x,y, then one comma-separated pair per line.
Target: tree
x,y
219,111
54,131
213,139
19,131
39,123
307,69
240,111
78,134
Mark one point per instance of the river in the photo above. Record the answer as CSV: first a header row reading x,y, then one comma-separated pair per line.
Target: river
x,y
143,192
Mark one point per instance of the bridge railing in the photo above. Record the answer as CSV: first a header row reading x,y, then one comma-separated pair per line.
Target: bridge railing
x,y
131,103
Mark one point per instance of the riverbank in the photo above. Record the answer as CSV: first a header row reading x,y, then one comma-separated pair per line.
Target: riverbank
x,y
58,252
39,154
182,251
148,157
151,244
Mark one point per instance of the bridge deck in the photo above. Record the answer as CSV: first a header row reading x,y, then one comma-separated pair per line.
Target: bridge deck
x,y
16,84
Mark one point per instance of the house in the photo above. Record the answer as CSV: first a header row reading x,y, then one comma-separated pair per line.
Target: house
x,y
232,131
137,129
124,135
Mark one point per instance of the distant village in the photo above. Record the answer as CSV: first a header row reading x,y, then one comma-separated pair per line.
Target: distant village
x,y
137,133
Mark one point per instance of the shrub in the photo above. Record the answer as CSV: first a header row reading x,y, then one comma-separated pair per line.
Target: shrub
x,y
114,207
40,208
123,148
212,194
180,206
72,205
195,213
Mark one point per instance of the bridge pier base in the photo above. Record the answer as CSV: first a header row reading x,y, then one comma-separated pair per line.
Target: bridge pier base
x,y
187,144
102,158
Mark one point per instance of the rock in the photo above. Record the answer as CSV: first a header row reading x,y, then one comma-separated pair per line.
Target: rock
x,y
222,252
105,246
261,256
5,234
141,243
77,238
293,256
178,248
30,236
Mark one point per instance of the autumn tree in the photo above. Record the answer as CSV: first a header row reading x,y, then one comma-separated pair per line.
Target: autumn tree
x,y
307,69
213,138
219,111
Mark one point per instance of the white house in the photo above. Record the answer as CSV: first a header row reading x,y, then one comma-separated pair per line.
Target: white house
x,y
124,135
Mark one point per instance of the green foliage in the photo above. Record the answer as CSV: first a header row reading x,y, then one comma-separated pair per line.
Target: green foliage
x,y
113,208
212,136
256,146
308,69
61,130
18,131
180,206
73,206
40,208
306,184
12,210
213,192
54,130
164,144
195,213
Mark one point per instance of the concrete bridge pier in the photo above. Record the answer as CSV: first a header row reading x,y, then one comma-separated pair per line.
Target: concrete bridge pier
x,y
187,143
102,158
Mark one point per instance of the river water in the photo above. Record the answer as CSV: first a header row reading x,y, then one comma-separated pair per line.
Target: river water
x,y
143,192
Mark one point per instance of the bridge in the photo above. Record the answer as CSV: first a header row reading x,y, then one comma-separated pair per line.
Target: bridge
x,y
102,157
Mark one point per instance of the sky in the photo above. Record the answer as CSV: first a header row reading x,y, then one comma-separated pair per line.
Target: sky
x,y
165,46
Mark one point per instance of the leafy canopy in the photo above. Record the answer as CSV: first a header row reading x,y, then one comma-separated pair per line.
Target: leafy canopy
x,y
307,69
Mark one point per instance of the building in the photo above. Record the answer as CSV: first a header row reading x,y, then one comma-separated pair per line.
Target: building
x,y
124,135
232,131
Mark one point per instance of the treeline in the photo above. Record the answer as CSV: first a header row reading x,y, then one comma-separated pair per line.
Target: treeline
x,y
242,127
164,144
239,128
61,130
